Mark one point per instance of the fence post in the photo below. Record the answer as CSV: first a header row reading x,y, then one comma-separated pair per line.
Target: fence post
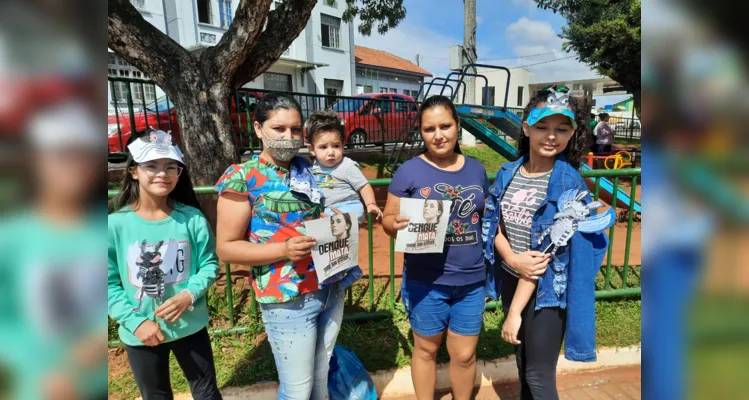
x,y
614,192
590,159
629,231
229,294
392,274
371,267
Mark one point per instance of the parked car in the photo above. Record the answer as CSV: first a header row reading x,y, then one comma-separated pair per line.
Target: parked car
x,y
162,114
376,117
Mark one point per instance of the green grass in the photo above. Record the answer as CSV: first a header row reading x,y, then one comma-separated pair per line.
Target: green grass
x,y
620,140
490,159
385,344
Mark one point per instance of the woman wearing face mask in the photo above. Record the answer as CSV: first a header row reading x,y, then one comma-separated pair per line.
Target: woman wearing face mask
x,y
261,209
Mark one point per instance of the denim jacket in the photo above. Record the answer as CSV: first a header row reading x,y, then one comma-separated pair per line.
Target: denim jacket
x,y
569,280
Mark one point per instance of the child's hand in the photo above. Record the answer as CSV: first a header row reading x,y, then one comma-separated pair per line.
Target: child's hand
x,y
400,222
174,307
298,247
373,209
149,333
511,327
530,263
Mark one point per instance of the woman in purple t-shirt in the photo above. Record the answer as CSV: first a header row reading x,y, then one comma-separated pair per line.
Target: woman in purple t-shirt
x,y
443,291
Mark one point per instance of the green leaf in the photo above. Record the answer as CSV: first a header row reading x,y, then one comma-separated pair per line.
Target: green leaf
x,y
264,233
267,299
287,269
284,202
262,281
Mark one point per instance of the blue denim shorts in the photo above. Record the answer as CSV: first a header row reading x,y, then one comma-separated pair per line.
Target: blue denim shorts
x,y
432,308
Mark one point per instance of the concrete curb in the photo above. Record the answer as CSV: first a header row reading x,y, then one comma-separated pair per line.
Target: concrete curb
x,y
398,382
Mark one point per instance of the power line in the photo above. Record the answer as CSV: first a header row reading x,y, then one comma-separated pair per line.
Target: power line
x,y
528,56
544,62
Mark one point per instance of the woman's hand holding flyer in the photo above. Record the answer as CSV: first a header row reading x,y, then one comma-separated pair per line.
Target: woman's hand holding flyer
x,y
422,225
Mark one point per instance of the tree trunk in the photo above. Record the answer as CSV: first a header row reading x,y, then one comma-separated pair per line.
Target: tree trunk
x,y
636,97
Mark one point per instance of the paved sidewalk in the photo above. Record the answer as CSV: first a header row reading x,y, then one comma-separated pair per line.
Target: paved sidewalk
x,y
620,383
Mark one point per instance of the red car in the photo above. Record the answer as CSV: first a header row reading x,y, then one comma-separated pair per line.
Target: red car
x,y
376,117
162,114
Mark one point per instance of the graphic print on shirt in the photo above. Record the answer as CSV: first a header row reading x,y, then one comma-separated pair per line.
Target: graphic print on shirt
x,y
174,257
459,233
325,181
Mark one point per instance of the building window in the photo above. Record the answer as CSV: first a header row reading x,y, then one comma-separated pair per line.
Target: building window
x,y
393,90
150,91
520,96
111,72
577,86
137,93
367,88
383,90
137,74
204,12
331,31
122,61
140,4
359,89
112,59
224,8
207,38
125,73
120,91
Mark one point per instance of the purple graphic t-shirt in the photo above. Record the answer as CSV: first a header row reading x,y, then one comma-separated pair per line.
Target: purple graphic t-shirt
x,y
462,261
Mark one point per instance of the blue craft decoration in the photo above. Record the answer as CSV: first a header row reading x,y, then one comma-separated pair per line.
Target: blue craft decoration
x,y
573,216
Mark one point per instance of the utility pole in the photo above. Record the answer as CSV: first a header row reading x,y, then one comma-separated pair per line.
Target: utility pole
x,y
417,60
469,56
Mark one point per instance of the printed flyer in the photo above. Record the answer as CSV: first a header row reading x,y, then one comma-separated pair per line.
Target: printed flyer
x,y
426,228
337,247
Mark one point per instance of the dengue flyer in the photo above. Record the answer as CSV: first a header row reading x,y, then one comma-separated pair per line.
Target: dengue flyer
x,y
427,225
337,247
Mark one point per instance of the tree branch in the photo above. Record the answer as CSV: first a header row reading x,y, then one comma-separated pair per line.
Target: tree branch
x,y
239,40
284,25
143,45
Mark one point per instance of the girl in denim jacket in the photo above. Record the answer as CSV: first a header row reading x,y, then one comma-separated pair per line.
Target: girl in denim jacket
x,y
540,303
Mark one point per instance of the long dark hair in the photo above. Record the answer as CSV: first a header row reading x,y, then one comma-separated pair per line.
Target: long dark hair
x,y
579,142
130,190
440,101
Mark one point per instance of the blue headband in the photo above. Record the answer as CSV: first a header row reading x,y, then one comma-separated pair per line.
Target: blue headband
x,y
555,104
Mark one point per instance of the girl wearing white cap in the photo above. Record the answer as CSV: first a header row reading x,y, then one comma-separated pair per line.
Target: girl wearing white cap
x,y
161,263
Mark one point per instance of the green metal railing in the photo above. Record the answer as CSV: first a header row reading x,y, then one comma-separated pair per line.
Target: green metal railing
x,y
606,293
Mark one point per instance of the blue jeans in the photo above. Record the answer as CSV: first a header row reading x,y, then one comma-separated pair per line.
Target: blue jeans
x,y
302,334
353,206
432,308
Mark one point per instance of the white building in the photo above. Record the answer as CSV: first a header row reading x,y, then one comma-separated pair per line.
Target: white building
x,y
319,61
494,94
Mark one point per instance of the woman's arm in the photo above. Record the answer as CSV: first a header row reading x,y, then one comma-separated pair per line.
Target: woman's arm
x,y
234,214
392,222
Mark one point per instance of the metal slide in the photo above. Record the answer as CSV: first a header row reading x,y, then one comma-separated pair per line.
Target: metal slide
x,y
622,197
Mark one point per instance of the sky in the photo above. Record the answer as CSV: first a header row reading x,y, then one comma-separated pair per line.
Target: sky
x,y
506,30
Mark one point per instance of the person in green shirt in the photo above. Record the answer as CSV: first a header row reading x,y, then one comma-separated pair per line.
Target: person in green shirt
x,y
592,132
162,261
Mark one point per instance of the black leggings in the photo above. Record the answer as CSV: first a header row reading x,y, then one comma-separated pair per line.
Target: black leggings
x,y
540,335
150,366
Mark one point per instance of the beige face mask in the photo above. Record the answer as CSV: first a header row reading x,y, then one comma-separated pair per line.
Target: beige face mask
x,y
283,150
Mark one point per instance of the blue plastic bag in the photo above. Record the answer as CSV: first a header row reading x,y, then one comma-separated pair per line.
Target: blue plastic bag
x,y
347,378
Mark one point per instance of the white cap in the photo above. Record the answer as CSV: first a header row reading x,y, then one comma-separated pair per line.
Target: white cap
x,y
69,125
156,145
